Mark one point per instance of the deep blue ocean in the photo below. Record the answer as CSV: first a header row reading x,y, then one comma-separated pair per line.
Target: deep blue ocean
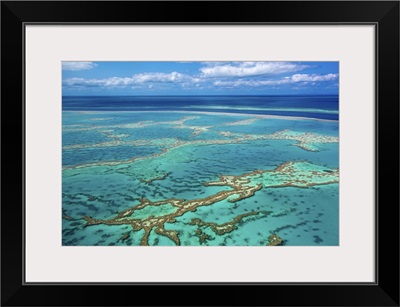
x,y
323,107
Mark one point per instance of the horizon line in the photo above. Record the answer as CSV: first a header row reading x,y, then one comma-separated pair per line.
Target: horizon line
x,y
195,95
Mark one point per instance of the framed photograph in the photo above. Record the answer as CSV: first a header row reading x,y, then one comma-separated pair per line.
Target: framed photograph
x,y
249,146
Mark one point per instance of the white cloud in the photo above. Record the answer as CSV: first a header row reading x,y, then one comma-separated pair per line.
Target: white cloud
x,y
78,65
313,78
297,78
160,77
213,74
247,69
137,79
251,83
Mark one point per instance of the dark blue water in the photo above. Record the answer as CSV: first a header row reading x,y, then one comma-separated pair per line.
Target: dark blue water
x,y
322,107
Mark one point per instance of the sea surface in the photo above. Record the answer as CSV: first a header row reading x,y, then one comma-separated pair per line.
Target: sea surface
x,y
200,171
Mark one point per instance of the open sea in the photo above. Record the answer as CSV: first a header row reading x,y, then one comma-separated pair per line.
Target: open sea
x,y
200,171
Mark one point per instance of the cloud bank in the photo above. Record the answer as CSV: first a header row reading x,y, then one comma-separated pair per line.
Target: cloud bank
x,y
297,78
249,69
136,79
210,76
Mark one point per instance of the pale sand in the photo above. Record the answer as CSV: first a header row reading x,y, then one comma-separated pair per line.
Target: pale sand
x,y
217,113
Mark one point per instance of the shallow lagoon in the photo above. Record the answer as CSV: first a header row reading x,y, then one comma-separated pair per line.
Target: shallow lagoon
x,y
114,160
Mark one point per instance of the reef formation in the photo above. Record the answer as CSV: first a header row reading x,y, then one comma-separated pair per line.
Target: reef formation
x,y
305,140
299,174
274,240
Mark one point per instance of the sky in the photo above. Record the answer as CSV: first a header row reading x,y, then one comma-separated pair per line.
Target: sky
x,y
199,78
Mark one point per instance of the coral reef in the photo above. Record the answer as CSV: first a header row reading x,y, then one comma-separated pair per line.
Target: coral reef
x,y
290,174
162,177
67,217
221,229
203,237
274,240
304,140
125,236
242,122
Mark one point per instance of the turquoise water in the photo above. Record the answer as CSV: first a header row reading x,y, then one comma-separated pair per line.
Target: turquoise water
x,y
114,161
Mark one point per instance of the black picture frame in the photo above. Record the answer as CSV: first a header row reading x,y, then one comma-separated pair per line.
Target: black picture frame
x,y
383,14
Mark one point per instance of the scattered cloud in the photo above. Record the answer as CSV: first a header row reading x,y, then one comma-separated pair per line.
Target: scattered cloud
x,y
248,69
210,76
297,78
137,79
313,77
163,77
78,65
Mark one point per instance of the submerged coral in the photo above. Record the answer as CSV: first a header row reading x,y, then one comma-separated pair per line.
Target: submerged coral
x,y
221,229
274,240
304,140
290,174
162,177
